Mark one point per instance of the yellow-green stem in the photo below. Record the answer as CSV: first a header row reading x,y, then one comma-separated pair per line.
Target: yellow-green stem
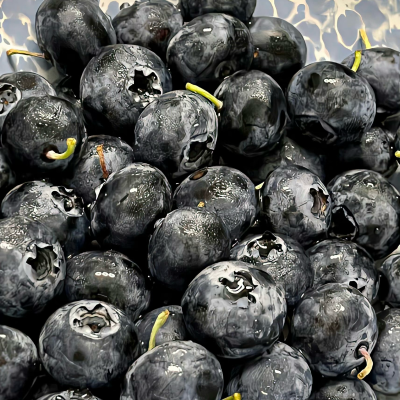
x,y
12,52
236,396
193,88
71,145
397,154
160,321
365,39
366,371
358,53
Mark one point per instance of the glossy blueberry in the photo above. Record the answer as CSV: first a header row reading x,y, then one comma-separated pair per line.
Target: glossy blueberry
x,y
253,116
56,207
149,23
385,376
118,84
340,261
225,191
128,205
18,363
345,389
391,272
88,174
280,373
280,48
296,203
88,344
70,395
38,125
234,309
330,104
175,370
108,276
32,266
282,257
330,324
208,49
173,329
177,133
366,210
7,175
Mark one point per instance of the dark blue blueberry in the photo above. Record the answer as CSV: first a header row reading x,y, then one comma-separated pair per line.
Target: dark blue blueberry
x,y
70,395
391,272
353,389
7,174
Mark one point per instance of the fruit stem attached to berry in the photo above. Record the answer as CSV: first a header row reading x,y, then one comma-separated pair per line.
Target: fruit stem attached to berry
x,y
366,371
103,165
193,88
160,321
397,154
26,53
358,53
71,145
235,396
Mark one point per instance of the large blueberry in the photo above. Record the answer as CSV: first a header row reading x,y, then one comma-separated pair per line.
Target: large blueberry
x,y
280,373
391,272
175,370
32,266
18,363
184,243
253,115
177,133
109,276
88,344
345,389
282,257
225,191
330,324
70,395
234,309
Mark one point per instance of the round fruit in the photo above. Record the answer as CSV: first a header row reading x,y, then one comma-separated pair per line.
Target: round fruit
x,y
344,390
391,271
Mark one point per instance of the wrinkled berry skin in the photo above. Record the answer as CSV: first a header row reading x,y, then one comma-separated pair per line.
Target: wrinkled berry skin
x,y
208,49
252,119
118,84
150,23
37,125
7,174
345,389
70,395
391,271
71,32
19,363
54,206
296,203
373,204
329,325
108,276
88,344
281,48
173,329
177,133
195,372
223,190
340,261
330,104
234,309
385,376
282,257
88,173
21,85
32,265
282,372
128,205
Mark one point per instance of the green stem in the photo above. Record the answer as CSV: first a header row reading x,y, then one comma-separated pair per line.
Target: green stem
x,y
71,145
358,53
160,321
236,396
397,154
26,53
193,88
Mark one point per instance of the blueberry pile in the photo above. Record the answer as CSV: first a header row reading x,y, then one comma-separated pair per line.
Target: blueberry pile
x,y
193,213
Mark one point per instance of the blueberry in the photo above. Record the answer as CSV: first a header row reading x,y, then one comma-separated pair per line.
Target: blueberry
x,y
32,266
344,389
56,207
281,373
234,309
128,205
330,324
177,133
366,210
253,115
330,104
225,191
296,203
150,23
174,370
97,163
70,395
281,50
340,261
385,376
173,329
118,84
88,344
208,49
18,363
391,272
108,276
7,174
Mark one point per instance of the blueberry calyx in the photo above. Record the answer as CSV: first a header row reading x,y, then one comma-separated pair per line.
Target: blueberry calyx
x,y
44,261
240,288
9,97
344,225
